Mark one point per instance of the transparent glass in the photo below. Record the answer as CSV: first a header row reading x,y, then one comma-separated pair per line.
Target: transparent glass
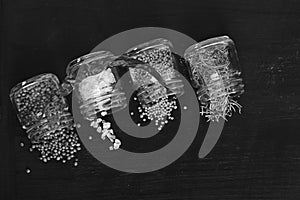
x,y
40,107
43,112
158,98
95,84
158,54
216,74
96,80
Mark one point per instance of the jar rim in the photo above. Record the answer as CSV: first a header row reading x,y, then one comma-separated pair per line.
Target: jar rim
x,y
206,43
158,42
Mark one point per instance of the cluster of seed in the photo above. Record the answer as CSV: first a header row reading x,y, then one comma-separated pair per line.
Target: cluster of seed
x,y
156,104
43,113
104,128
31,100
160,111
160,59
154,100
60,145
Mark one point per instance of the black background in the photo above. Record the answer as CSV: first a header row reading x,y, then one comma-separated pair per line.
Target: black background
x,y
258,154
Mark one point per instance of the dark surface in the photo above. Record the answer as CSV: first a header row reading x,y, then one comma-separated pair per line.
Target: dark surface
x,y
258,154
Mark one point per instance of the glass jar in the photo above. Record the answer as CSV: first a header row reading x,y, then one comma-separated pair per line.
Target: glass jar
x,y
40,107
43,112
158,100
95,85
216,74
158,54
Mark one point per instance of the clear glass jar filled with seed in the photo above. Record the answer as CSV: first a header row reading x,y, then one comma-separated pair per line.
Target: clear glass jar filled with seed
x,y
216,74
158,100
43,113
158,54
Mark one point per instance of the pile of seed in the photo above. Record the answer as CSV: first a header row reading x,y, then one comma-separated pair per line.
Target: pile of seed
x,y
43,113
31,100
160,111
155,102
160,59
60,145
